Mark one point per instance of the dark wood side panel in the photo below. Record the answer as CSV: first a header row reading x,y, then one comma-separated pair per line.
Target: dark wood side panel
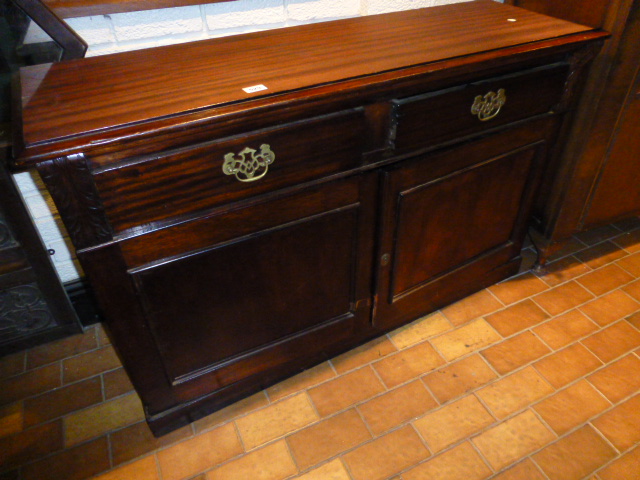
x,y
84,8
592,13
115,293
617,193
188,180
563,204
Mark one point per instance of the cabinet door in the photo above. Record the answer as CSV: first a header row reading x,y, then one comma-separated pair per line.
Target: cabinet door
x,y
452,223
248,290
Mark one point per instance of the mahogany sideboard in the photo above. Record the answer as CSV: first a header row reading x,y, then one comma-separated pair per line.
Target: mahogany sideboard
x,y
246,207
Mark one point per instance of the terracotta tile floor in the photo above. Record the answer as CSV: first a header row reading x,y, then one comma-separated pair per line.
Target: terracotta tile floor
x,y
537,377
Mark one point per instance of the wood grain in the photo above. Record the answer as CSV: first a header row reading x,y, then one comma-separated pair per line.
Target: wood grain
x,y
370,216
77,97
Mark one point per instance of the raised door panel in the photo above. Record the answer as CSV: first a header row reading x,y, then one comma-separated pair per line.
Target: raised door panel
x,y
289,285
451,221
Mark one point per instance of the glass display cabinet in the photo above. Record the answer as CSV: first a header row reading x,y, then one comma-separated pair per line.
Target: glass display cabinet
x,y
34,307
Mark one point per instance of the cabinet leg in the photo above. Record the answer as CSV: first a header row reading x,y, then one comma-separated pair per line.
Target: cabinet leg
x,y
545,249
540,267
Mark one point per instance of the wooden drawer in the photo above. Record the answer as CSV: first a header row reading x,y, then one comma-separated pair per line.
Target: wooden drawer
x,y
435,117
193,179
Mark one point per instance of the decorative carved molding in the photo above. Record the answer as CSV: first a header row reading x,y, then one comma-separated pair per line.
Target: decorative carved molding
x,y
69,181
23,310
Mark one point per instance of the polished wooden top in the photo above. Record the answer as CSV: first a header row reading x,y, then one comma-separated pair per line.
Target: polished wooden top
x,y
83,98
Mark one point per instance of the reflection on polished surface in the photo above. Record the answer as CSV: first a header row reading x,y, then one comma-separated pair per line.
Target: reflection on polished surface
x,y
22,42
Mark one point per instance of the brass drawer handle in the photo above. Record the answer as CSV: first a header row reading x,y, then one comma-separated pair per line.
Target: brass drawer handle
x,y
488,106
249,169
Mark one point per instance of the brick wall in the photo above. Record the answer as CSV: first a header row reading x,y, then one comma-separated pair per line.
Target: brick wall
x,y
127,31
130,31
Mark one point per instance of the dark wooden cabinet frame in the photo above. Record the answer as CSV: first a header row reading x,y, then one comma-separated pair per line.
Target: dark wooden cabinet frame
x,y
34,307
83,8
247,207
71,44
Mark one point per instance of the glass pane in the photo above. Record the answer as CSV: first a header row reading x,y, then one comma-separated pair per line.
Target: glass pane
x,y
22,42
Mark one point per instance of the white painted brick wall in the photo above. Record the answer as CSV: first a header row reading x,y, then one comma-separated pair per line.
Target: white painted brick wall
x,y
130,31
374,7
157,23
49,225
96,30
304,11
244,15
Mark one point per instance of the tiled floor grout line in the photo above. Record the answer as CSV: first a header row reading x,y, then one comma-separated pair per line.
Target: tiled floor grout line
x,y
89,350
493,368
603,437
435,398
535,464
531,454
591,270
486,407
110,450
620,320
287,435
422,439
366,424
469,438
562,313
64,385
390,338
546,424
158,467
346,466
494,296
293,458
134,459
377,375
509,373
231,459
617,457
312,403
482,456
531,405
